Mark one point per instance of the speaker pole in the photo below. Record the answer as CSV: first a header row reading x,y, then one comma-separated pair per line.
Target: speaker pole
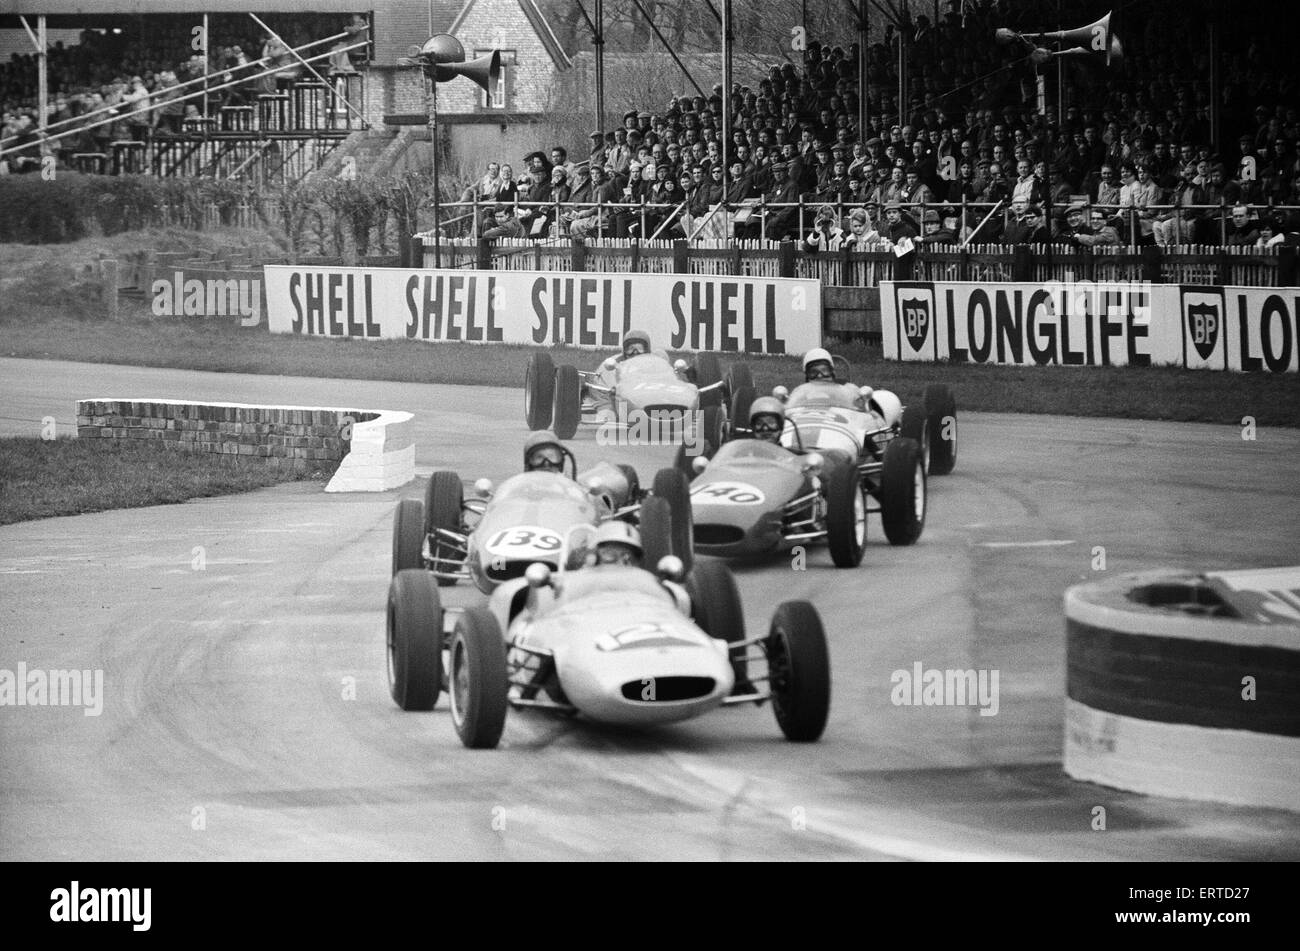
x,y
437,200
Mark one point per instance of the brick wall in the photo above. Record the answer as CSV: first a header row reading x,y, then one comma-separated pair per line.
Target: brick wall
x,y
289,437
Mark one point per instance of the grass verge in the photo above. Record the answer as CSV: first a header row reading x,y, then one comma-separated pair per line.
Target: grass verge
x,y
42,478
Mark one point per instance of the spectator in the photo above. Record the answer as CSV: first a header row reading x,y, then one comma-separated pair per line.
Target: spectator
x,y
506,226
826,233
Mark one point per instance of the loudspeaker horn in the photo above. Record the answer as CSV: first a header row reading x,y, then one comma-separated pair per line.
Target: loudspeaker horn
x,y
485,71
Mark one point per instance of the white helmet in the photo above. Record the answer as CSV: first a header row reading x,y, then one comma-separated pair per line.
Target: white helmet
x,y
618,543
818,355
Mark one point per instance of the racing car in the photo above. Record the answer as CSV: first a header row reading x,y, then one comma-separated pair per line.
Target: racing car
x,y
648,386
618,645
495,535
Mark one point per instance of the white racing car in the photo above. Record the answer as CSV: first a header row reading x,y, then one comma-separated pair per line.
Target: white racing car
x,y
617,644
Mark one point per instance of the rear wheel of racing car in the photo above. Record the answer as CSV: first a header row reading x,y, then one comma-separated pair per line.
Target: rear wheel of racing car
x,y
568,401
443,498
799,666
539,391
674,488
741,400
656,527
708,372
716,608
478,679
715,421
941,407
846,515
916,425
633,482
739,377
414,640
408,535
902,492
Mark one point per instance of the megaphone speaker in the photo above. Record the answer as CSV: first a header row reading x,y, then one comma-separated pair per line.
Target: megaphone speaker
x,y
485,71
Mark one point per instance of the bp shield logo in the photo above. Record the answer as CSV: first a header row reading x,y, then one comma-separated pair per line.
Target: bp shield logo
x,y
916,321
1203,330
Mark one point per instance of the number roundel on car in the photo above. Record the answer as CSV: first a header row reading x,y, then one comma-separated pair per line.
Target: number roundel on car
x,y
728,493
524,541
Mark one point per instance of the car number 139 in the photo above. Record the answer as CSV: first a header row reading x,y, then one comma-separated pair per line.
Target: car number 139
x,y
523,541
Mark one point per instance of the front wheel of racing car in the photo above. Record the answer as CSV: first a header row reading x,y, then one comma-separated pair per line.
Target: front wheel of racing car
x,y
568,401
902,492
539,391
408,535
916,425
674,488
414,637
444,497
799,668
846,515
716,608
477,678
739,377
941,406
708,372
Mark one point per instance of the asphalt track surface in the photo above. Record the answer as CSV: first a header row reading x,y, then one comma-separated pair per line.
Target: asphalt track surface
x,y
229,731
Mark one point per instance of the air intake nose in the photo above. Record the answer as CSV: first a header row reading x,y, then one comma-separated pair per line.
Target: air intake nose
x,y
668,689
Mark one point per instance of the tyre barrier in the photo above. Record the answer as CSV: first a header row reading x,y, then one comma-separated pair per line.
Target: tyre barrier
x,y
1187,685
367,450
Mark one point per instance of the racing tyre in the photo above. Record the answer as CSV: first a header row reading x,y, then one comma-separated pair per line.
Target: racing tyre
x,y
684,462
414,640
633,482
739,377
716,608
902,492
715,422
846,516
656,527
941,406
477,679
708,372
408,535
443,497
539,391
738,418
568,401
799,666
916,425
671,486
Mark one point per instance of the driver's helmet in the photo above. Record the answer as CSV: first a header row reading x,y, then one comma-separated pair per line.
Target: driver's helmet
x,y
618,543
767,418
635,343
543,450
818,365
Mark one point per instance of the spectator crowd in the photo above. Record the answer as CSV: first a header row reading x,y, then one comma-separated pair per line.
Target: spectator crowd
x,y
1129,159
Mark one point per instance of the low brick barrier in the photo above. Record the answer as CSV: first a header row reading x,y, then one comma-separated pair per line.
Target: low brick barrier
x,y
300,438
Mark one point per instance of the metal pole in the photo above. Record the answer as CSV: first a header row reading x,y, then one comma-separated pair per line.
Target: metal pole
x,y
599,40
862,71
437,207
207,65
42,83
726,94
1216,80
902,76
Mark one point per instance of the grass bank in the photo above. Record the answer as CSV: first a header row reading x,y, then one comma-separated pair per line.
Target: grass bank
x,y
42,478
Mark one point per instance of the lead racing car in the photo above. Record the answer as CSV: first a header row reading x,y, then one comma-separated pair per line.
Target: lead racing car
x,y
615,643
640,388
494,536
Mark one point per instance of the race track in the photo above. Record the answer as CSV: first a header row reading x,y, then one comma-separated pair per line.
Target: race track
x,y
246,712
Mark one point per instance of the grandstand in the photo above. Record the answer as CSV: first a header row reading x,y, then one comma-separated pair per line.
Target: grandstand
x,y
1193,141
